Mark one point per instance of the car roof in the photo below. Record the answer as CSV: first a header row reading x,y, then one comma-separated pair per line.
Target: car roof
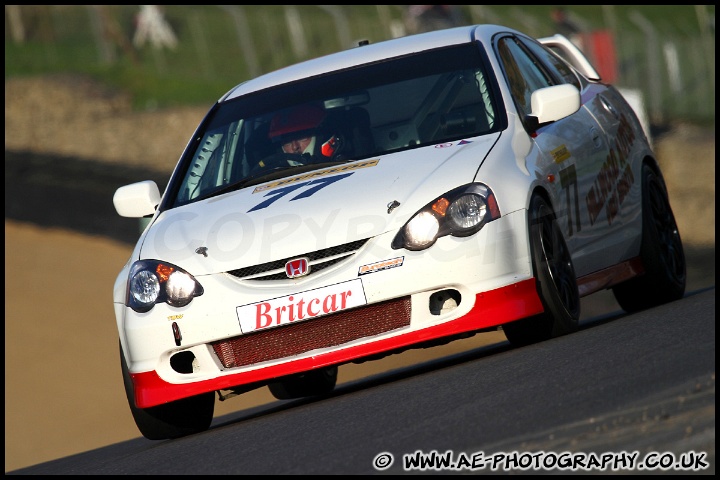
x,y
367,54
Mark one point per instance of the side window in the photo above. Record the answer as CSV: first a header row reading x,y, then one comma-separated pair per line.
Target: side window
x,y
554,63
524,75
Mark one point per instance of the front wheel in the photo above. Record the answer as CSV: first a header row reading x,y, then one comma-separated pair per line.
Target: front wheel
x,y
307,384
173,419
661,252
555,277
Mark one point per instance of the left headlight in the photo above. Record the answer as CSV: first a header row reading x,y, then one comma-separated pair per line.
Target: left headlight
x,y
152,281
460,212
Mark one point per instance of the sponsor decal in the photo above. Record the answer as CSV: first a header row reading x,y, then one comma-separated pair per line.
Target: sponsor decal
x,y
316,174
560,154
297,267
615,178
610,187
379,266
301,306
443,145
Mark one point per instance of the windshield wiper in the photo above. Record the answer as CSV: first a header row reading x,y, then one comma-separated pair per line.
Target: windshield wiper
x,y
271,174
251,180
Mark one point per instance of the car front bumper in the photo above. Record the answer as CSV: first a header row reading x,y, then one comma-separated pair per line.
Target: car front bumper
x,y
459,285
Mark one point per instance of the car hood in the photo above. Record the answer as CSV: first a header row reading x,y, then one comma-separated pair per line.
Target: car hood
x,y
299,214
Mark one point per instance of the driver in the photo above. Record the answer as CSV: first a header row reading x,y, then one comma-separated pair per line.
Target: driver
x,y
297,129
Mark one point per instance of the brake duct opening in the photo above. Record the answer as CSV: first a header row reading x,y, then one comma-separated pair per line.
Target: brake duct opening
x,y
444,301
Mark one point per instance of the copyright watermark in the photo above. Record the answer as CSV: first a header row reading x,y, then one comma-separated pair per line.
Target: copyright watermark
x,y
233,236
565,461
383,461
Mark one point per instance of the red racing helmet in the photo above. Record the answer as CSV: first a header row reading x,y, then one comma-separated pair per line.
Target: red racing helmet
x,y
295,120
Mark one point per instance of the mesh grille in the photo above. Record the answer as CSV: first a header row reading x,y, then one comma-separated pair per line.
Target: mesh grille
x,y
327,331
316,256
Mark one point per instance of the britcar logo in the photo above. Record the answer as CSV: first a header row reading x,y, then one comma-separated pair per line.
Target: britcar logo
x,y
301,306
297,267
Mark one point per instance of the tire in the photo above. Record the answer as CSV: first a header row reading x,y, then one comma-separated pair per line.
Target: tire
x,y
555,278
171,420
661,252
308,384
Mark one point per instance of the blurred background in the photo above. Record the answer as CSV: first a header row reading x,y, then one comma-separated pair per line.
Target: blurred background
x,y
171,55
97,96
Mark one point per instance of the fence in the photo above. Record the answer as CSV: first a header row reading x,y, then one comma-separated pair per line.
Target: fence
x,y
670,60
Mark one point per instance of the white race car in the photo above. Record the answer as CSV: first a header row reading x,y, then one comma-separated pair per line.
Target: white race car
x,y
390,196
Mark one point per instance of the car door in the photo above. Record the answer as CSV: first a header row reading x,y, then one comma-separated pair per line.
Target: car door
x,y
573,150
613,198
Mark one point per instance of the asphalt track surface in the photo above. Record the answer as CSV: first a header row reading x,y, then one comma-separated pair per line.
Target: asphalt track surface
x,y
624,383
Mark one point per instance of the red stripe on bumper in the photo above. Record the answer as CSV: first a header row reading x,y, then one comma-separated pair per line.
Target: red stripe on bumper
x,y
491,309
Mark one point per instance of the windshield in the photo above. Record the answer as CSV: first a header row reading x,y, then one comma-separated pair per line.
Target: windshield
x,y
367,111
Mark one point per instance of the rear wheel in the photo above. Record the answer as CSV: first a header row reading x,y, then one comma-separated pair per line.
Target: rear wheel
x,y
307,384
555,277
661,252
173,419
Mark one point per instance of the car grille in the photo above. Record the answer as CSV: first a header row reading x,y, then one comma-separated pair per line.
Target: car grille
x,y
318,260
322,332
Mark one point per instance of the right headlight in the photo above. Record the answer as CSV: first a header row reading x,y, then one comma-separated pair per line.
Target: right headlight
x,y
152,281
460,212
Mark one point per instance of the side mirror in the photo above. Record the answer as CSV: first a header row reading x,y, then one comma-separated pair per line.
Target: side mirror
x,y
137,199
550,104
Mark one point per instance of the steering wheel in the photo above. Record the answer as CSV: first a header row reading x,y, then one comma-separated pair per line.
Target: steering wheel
x,y
280,160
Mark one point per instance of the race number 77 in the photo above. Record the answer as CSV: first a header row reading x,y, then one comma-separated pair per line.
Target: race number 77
x,y
315,186
568,181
